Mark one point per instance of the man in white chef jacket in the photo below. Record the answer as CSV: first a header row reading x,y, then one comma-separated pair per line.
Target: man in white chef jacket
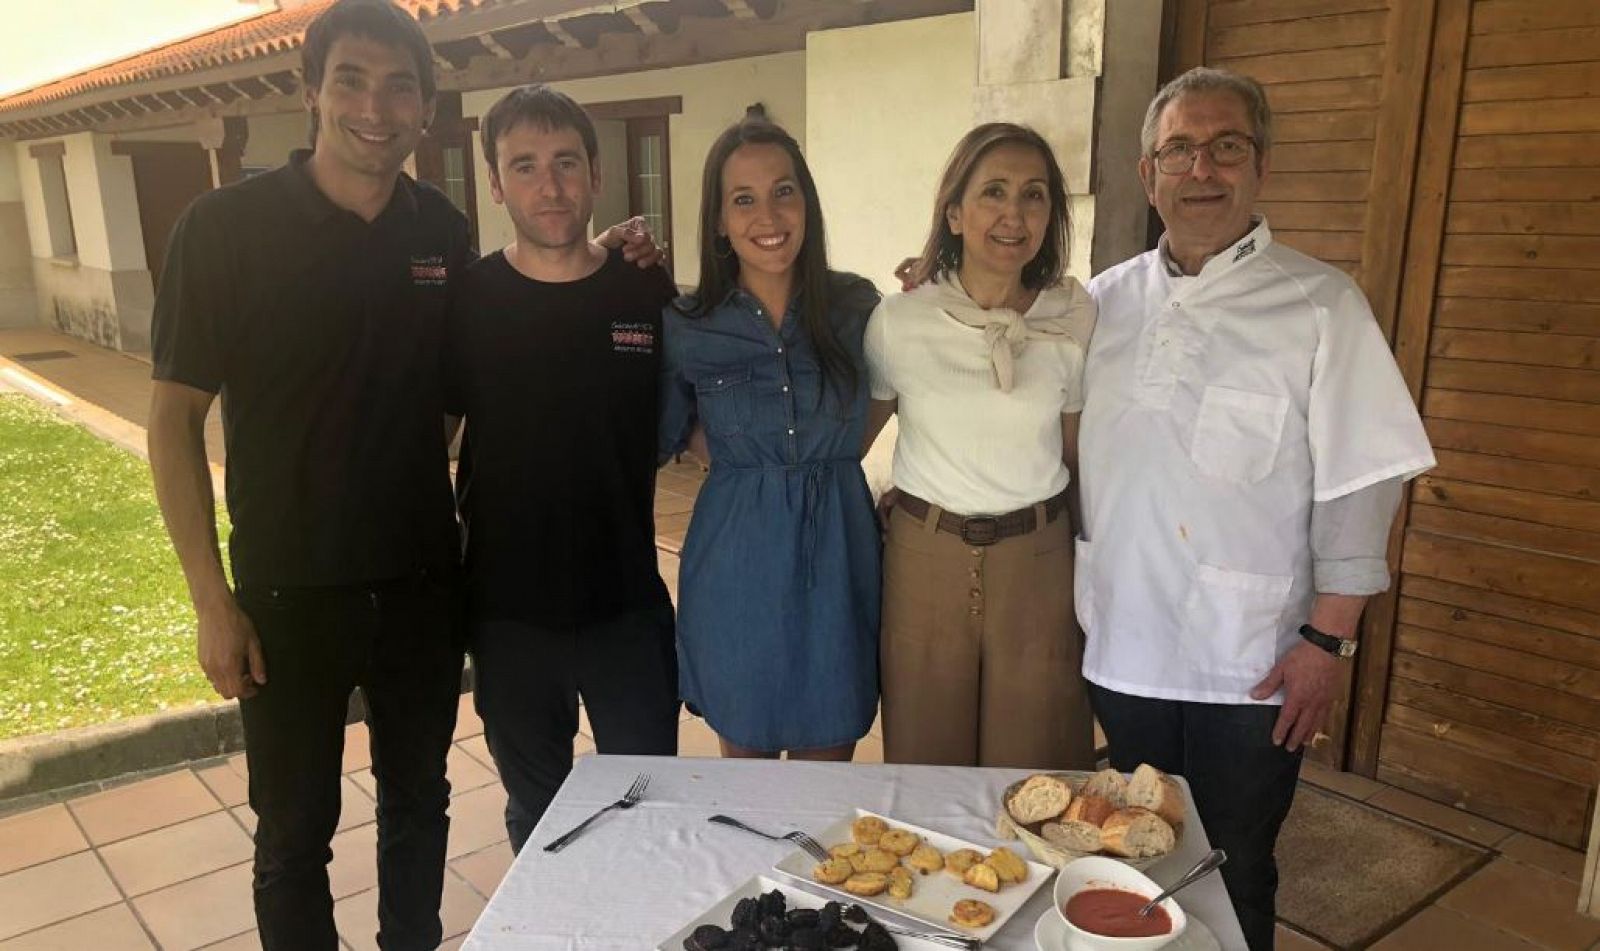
x,y
1244,446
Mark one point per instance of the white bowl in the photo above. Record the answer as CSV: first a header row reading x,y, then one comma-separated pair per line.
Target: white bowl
x,y
1097,872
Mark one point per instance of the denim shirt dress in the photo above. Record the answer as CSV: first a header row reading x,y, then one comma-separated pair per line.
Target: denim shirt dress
x,y
780,580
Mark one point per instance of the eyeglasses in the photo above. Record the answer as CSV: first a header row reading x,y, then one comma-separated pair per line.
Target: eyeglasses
x,y
1178,158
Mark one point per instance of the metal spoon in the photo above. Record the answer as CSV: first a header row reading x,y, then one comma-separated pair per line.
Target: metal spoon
x,y
1201,869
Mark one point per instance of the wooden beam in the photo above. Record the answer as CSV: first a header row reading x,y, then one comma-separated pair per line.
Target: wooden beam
x,y
489,43
560,33
47,150
243,93
635,108
740,9
638,18
1414,318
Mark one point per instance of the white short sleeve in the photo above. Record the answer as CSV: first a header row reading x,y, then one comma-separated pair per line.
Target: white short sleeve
x,y
1363,426
876,347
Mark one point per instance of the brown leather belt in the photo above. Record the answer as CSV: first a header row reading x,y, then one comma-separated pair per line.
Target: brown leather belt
x,y
985,529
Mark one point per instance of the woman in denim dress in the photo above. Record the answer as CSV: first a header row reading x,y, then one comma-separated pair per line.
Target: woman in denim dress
x,y
763,377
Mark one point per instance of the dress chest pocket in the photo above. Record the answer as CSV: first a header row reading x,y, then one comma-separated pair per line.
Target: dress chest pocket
x,y
1236,434
723,401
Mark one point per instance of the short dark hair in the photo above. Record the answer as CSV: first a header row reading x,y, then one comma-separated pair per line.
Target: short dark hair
x,y
941,252
541,106
378,20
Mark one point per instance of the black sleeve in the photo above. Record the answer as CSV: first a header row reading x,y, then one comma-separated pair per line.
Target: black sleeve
x,y
661,290
453,360
194,302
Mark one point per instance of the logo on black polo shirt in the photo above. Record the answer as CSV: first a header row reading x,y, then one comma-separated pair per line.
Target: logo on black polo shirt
x,y
632,337
428,271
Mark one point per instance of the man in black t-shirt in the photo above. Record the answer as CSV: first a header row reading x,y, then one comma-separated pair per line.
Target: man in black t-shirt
x,y
553,353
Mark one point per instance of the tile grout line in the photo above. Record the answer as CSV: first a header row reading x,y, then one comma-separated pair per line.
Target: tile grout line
x,y
127,900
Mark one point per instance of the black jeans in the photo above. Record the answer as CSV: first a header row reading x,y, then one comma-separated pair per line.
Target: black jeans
x,y
1242,784
528,680
398,642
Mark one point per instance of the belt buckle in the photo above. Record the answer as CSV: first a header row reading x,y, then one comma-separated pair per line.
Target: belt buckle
x,y
980,530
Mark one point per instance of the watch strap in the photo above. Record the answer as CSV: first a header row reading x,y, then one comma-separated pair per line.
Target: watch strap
x,y
1337,646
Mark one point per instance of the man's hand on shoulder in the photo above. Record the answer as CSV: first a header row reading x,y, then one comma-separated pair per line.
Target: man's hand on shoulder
x,y
1308,675
229,650
637,243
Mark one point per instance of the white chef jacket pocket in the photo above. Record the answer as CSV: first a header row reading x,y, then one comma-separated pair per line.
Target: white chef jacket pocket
x,y
1236,433
1083,584
1231,621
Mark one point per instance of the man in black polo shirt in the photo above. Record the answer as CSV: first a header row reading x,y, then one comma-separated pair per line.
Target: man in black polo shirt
x,y
313,298
552,357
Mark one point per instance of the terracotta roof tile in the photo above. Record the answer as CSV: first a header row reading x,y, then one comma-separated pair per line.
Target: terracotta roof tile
x,y
275,32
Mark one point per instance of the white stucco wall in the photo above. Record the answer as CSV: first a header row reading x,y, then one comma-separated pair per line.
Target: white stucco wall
x,y
10,184
105,205
272,138
32,199
714,96
885,104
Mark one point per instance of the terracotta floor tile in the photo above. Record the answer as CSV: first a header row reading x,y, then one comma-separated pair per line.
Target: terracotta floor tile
x,y
201,911
1351,785
673,526
582,746
177,853
1525,901
355,805
249,941
1439,929
477,820
584,726
109,929
467,721
357,916
38,835
484,869
669,502
357,751
695,738
1531,850
139,807
355,861
228,784
365,782
869,749
478,748
246,817
453,944
465,772
1438,816
1286,939
53,891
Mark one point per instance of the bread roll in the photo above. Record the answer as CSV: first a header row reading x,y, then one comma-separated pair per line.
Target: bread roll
x,y
1074,836
1136,833
1154,790
1091,809
1041,797
1109,785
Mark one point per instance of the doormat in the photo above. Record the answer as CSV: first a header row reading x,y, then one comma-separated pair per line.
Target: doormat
x,y
1348,873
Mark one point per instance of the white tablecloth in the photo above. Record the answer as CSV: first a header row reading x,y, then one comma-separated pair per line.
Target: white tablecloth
x,y
636,876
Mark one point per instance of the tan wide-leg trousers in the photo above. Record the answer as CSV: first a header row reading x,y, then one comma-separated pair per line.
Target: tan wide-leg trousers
x,y
981,653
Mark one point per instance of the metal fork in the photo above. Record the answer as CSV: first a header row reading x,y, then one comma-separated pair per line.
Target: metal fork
x,y
937,937
628,801
812,847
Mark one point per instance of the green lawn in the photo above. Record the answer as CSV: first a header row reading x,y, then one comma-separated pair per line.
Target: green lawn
x,y
95,623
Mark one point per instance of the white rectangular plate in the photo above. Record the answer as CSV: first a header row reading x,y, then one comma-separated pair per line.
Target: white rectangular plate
x,y
721,914
935,893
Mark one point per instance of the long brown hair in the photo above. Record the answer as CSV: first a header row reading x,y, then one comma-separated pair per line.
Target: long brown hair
x,y
719,266
941,253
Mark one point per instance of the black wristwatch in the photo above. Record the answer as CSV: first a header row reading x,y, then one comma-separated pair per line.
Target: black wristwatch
x,y
1337,646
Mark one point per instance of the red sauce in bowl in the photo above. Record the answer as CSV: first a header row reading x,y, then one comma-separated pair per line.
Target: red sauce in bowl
x,y
1114,913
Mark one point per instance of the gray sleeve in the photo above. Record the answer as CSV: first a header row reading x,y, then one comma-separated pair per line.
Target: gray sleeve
x,y
1350,539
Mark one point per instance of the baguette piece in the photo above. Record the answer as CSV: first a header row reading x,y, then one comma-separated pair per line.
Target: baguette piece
x,y
1041,797
1154,790
1091,809
1072,835
1108,784
1136,833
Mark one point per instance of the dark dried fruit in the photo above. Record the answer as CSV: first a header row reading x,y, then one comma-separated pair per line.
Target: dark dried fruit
x,y
842,935
830,916
744,939
807,939
856,914
746,913
706,938
874,938
773,904
774,932
804,917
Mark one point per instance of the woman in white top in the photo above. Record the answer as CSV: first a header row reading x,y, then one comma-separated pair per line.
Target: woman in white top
x,y
983,362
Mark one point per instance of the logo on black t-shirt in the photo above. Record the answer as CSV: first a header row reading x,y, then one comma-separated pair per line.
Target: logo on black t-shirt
x,y
632,337
428,271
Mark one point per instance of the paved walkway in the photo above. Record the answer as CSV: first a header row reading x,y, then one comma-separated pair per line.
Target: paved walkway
x,y
162,862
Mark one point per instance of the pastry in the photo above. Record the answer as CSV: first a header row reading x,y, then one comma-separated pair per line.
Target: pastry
x,y
900,882
833,871
877,860
957,862
899,841
867,830
866,883
844,850
971,913
925,858
1007,865
982,876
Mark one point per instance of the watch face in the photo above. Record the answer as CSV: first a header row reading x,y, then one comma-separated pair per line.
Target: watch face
x,y
1347,648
